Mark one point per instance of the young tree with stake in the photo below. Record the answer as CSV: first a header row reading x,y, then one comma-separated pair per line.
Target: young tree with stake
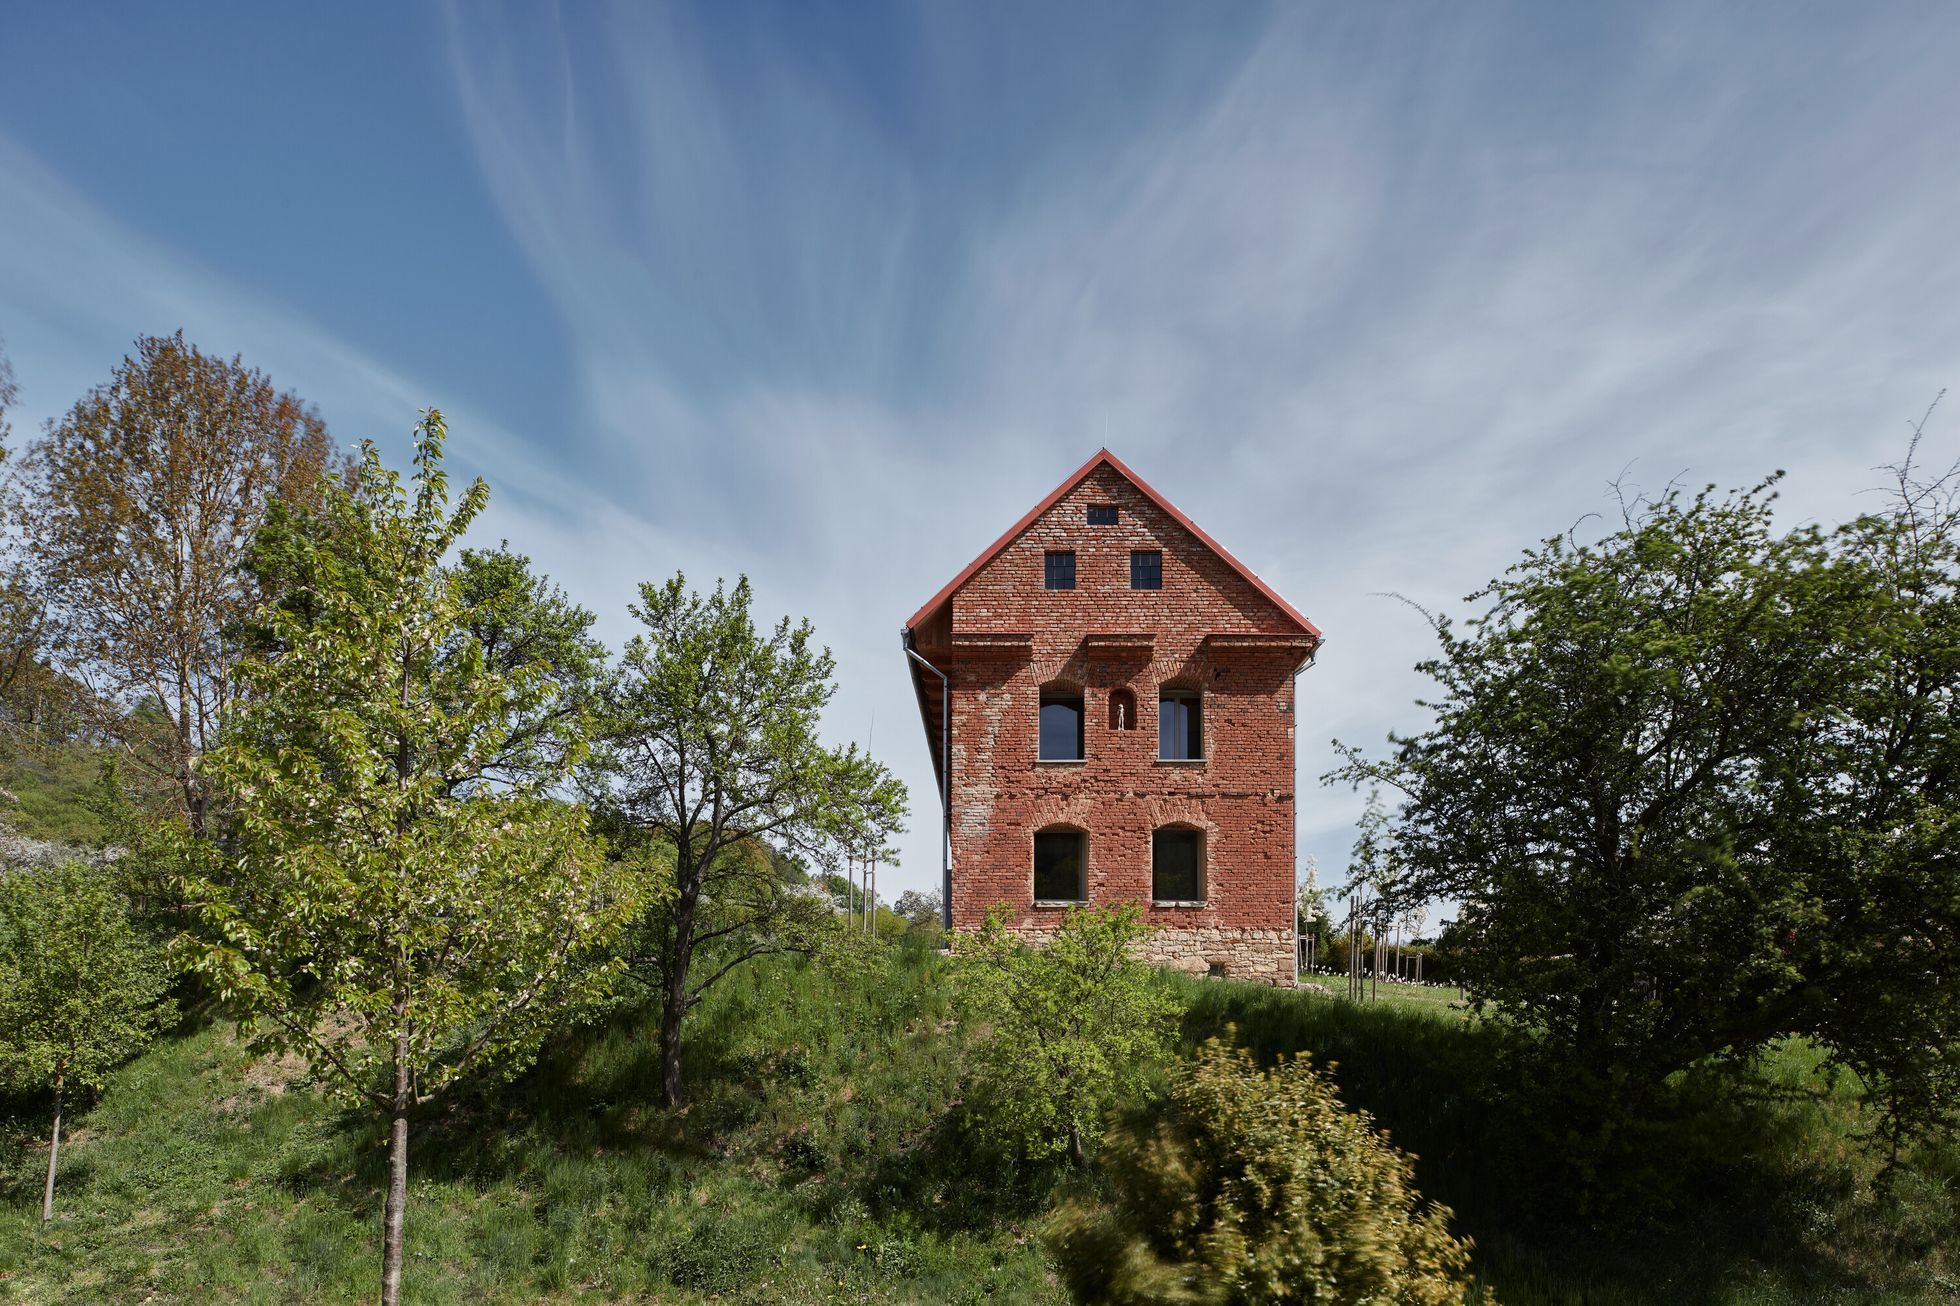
x,y
399,929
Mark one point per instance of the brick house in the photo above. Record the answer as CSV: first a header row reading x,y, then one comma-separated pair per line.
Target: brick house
x,y
1122,726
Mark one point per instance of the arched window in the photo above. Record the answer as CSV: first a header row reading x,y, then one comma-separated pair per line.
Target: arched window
x,y
1061,724
1061,865
1180,728
1122,710
1177,864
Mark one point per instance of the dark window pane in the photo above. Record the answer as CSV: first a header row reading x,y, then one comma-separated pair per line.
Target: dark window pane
x,y
1174,865
1178,734
1059,573
1147,571
1061,729
1058,866
1102,514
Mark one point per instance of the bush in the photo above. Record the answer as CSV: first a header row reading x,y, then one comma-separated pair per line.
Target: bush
x,y
1257,1187
1073,1027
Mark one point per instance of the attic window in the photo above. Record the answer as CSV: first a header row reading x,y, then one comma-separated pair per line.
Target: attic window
x,y
1058,570
1102,514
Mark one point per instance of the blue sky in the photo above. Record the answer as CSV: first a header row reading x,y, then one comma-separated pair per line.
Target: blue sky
x,y
831,293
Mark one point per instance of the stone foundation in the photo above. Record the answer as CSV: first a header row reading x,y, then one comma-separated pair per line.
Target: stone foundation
x,y
1257,956
1262,956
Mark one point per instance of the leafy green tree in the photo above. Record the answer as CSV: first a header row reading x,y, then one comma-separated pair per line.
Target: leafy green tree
x,y
1874,814
1073,1026
81,988
712,752
1257,1187
1694,787
399,929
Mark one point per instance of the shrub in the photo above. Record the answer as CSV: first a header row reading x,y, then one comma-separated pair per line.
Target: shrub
x,y
1072,1027
1257,1187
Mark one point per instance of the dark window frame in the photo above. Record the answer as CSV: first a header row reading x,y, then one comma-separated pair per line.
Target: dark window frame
x,y
1058,569
1059,697
1146,569
1190,840
1103,514
1180,725
1052,839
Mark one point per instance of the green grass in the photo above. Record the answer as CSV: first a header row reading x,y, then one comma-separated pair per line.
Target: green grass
x,y
824,1157
48,793
819,1160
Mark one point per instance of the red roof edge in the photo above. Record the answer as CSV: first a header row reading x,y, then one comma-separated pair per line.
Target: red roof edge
x,y
1074,479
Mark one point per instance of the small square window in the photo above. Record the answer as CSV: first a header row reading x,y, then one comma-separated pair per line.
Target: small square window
x,y
1102,514
1146,570
1058,571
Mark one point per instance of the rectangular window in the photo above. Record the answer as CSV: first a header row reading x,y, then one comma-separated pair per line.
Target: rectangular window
x,y
1061,728
1058,866
1146,570
1102,514
1059,570
1179,736
1174,866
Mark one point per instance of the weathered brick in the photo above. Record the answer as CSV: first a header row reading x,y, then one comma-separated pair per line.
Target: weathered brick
x,y
1240,795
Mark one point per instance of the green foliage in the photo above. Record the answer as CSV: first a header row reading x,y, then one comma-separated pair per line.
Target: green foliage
x,y
712,749
406,909
1695,788
378,911
1074,1027
81,988
1258,1187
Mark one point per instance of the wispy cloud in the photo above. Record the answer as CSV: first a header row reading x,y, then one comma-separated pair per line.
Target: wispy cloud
x,y
1400,293
1378,295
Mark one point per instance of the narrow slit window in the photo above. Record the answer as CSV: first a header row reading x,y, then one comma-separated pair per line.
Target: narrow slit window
x,y
1176,860
1058,571
1060,863
1146,570
1180,733
1061,726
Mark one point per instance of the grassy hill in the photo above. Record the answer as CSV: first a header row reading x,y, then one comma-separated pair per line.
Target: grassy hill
x,y
823,1158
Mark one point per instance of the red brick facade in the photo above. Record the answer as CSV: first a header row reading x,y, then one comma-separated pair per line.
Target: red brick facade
x,y
1000,637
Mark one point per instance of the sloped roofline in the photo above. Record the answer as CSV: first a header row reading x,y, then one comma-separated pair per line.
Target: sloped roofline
x,y
1076,478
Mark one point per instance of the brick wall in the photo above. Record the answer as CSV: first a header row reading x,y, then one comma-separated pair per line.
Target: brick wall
x,y
1240,795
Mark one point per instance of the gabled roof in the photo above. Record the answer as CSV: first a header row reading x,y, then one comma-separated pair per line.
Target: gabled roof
x,y
1075,478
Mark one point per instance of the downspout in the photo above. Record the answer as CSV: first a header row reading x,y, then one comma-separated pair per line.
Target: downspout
x,y
1312,654
945,785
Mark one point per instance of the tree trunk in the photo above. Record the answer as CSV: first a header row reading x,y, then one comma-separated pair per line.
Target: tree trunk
x,y
1076,1154
675,1006
54,1151
391,1237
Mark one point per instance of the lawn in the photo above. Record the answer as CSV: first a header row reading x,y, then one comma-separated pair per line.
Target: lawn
x,y
824,1157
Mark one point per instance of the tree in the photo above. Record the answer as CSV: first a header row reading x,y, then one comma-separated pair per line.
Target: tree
x,y
145,497
1693,786
399,929
920,910
81,989
1257,1187
712,749
1073,1026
